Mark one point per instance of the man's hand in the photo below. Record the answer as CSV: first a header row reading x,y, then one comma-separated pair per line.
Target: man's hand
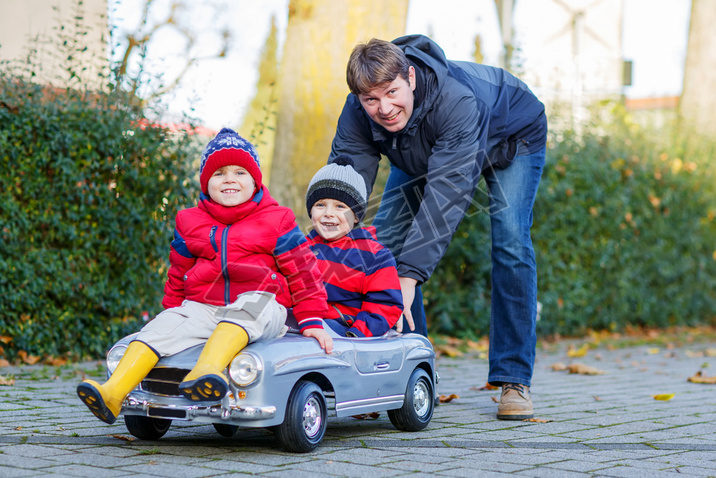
x,y
324,340
407,287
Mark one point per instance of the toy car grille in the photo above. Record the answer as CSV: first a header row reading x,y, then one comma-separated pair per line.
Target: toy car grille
x,y
164,381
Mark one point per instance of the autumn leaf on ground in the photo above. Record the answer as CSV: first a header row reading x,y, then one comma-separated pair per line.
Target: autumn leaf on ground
x,y
700,378
582,369
55,361
28,359
663,396
536,420
367,416
653,351
448,350
4,363
122,437
573,351
482,346
448,398
596,398
495,399
558,367
692,354
710,352
6,381
487,386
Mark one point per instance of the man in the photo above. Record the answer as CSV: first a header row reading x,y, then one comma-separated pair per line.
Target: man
x,y
442,124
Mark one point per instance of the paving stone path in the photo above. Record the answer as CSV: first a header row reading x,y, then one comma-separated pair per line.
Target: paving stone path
x,y
606,425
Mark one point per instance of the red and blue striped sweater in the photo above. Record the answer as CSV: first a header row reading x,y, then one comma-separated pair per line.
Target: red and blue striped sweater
x,y
361,280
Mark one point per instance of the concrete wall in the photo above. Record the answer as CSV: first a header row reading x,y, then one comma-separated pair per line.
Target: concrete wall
x,y
33,27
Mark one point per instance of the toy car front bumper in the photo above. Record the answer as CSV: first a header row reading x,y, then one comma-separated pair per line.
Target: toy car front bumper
x,y
216,413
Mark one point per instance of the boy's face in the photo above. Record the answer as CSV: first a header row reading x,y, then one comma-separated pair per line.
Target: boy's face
x,y
391,105
332,219
231,186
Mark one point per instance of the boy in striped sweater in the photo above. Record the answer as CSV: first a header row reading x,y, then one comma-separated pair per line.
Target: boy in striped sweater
x,y
359,273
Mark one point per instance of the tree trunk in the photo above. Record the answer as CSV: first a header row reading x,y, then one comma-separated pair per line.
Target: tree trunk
x,y
312,84
698,99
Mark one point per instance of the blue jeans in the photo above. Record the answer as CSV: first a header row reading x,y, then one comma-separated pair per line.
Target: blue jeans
x,y
512,193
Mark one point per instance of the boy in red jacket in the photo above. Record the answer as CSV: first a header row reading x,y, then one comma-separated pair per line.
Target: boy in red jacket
x,y
359,273
238,260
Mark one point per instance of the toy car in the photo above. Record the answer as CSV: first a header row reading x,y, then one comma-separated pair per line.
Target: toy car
x,y
283,384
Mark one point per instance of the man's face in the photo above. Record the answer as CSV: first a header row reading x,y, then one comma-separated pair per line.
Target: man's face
x,y
391,104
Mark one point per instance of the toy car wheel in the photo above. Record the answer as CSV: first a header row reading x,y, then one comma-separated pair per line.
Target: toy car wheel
x,y
304,425
417,410
225,430
147,428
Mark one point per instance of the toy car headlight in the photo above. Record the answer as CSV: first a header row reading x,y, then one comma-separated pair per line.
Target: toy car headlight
x,y
245,369
114,356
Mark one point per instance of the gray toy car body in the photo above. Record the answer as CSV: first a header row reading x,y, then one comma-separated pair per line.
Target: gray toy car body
x,y
282,384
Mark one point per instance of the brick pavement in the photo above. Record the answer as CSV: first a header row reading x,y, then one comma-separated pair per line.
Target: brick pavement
x,y
601,426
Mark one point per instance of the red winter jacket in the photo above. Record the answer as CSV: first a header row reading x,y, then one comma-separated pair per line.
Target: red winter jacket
x,y
220,252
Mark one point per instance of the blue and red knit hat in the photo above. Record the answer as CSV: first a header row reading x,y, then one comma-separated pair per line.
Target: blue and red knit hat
x,y
339,180
228,149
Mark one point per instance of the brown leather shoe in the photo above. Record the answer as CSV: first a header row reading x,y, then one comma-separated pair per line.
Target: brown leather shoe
x,y
515,402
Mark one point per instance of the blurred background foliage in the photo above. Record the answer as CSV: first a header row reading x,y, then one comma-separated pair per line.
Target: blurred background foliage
x,y
624,226
89,189
624,234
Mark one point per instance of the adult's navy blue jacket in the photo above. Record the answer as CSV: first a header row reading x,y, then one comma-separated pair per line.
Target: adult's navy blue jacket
x,y
462,111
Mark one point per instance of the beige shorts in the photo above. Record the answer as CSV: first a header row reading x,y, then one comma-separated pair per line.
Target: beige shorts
x,y
192,323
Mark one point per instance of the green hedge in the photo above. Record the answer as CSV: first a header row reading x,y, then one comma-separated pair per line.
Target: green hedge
x,y
624,234
88,193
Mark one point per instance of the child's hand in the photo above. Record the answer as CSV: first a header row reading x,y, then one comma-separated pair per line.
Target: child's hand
x,y
324,340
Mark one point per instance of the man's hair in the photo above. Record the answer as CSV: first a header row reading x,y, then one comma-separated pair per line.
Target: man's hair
x,y
373,64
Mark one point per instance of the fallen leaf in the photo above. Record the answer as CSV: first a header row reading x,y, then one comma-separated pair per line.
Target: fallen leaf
x,y
572,351
448,398
558,367
122,437
710,352
481,346
663,396
18,428
28,359
536,420
596,398
449,350
653,351
4,363
6,381
487,386
367,416
5,339
580,368
495,399
692,354
698,377
55,361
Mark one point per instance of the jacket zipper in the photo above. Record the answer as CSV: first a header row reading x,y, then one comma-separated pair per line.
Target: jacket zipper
x,y
212,238
224,268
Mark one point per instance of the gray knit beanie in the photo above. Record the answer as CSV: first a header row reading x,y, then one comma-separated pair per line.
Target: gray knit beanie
x,y
339,181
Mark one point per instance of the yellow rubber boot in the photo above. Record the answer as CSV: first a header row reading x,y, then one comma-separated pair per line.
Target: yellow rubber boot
x,y
105,400
206,381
